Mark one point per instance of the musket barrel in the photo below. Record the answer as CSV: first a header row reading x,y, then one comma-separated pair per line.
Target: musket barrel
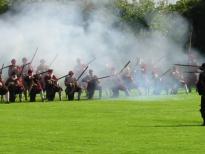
x,y
82,73
186,65
125,66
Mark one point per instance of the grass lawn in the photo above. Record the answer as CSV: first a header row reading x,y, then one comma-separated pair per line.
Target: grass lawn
x,y
155,125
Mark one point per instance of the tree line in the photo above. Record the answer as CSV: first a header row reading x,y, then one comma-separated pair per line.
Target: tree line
x,y
135,15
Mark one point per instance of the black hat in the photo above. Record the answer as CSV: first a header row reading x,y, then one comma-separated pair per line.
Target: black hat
x,y
202,67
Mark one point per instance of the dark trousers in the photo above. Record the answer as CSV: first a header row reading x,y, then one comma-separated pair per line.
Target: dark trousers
x,y
202,110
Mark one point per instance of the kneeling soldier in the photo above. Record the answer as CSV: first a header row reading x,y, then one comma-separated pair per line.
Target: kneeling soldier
x,y
72,86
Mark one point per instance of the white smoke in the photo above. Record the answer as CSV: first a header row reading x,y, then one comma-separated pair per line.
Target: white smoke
x,y
61,28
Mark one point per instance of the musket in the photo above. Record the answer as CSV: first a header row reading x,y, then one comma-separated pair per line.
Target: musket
x,y
6,67
62,77
82,73
165,73
54,59
186,65
125,67
91,61
192,72
190,41
104,77
42,73
34,56
1,69
158,60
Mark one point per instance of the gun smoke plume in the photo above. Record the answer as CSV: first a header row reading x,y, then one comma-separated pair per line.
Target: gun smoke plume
x,y
66,29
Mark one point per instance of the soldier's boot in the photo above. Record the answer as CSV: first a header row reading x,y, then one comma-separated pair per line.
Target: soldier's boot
x,y
12,97
26,95
60,97
32,97
203,115
42,96
20,97
79,94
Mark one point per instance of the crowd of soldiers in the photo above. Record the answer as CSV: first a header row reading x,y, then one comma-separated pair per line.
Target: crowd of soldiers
x,y
146,79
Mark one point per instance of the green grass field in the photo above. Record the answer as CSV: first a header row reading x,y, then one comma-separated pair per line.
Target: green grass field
x,y
142,125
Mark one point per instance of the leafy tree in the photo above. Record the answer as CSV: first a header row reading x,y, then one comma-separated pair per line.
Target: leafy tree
x,y
4,5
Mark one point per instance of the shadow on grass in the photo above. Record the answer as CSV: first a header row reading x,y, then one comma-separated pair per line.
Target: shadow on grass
x,y
168,126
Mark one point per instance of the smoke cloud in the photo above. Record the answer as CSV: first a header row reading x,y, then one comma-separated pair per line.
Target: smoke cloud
x,y
69,30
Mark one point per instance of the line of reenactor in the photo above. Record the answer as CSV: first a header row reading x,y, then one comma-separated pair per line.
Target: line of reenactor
x,y
22,80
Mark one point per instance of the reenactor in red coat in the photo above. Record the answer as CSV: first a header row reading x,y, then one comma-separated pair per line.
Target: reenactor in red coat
x,y
34,84
4,90
15,87
13,68
51,86
24,69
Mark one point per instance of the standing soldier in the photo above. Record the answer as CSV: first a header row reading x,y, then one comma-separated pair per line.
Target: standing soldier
x,y
51,86
201,91
13,68
92,85
72,86
42,68
25,69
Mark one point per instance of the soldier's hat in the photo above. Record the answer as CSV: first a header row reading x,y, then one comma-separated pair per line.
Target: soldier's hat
x,y
30,71
42,61
50,70
90,70
24,58
13,60
202,67
70,73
